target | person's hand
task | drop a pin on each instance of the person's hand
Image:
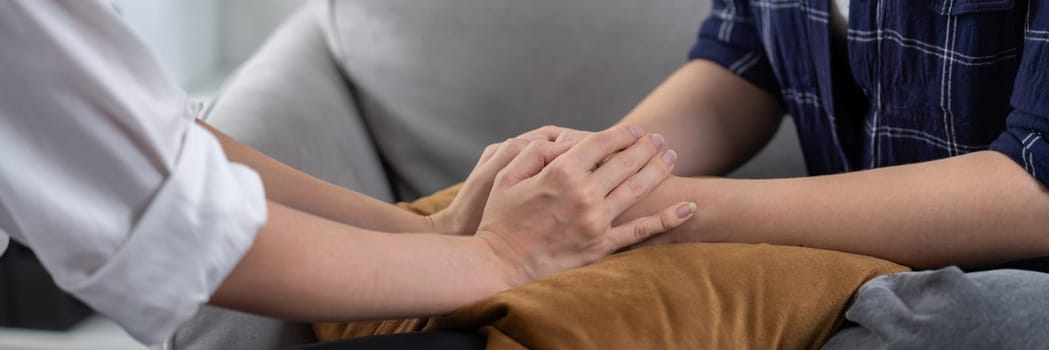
(464, 214)
(551, 208)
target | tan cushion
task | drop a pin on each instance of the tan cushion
(697, 296)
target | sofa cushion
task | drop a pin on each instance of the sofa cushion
(438, 80)
(687, 296)
(291, 102)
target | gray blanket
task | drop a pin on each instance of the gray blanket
(949, 309)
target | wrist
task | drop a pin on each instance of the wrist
(444, 222)
(506, 264)
(429, 225)
(495, 274)
(703, 191)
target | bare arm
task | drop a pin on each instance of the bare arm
(975, 209)
(550, 209)
(295, 189)
(970, 210)
(342, 272)
(716, 120)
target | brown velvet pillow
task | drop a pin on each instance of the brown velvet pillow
(696, 296)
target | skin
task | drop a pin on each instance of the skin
(326, 254)
(976, 209)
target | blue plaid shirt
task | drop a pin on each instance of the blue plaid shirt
(935, 79)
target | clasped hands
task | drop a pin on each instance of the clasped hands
(545, 201)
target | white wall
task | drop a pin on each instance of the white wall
(183, 33)
(201, 41)
(247, 23)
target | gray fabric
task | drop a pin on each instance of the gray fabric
(441, 79)
(218, 328)
(949, 309)
(437, 81)
(290, 102)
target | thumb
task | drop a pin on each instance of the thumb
(646, 227)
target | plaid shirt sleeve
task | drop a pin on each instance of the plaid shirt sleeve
(1027, 128)
(730, 38)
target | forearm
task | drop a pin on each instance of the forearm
(712, 117)
(295, 189)
(547, 212)
(970, 210)
(346, 273)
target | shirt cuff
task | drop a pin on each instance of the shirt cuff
(1027, 147)
(192, 234)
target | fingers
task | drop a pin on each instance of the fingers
(500, 154)
(630, 191)
(531, 161)
(547, 133)
(596, 147)
(643, 228)
(572, 135)
(487, 154)
(612, 172)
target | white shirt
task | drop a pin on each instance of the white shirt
(130, 206)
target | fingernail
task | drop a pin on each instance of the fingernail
(636, 131)
(657, 140)
(669, 156)
(685, 210)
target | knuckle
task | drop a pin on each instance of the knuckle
(655, 169)
(500, 178)
(666, 221)
(569, 135)
(618, 135)
(579, 197)
(560, 172)
(636, 188)
(624, 134)
(640, 232)
(533, 149)
(630, 163)
(649, 147)
(516, 145)
(602, 137)
(661, 165)
(623, 131)
(490, 149)
(590, 191)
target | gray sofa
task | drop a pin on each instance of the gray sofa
(397, 98)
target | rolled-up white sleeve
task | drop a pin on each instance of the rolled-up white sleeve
(131, 206)
(187, 239)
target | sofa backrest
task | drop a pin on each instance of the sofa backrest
(438, 80)
(290, 101)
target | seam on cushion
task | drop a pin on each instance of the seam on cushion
(335, 44)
